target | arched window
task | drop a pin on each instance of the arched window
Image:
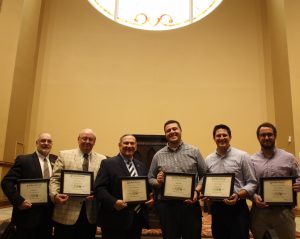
(155, 15)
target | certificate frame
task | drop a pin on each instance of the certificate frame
(278, 191)
(77, 183)
(36, 191)
(134, 189)
(218, 186)
(178, 186)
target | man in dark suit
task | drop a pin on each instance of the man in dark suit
(119, 220)
(31, 221)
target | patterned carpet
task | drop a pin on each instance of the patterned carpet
(206, 229)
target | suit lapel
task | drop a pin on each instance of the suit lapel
(123, 165)
(52, 159)
(37, 165)
(78, 160)
(93, 162)
(138, 167)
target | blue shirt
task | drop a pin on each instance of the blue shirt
(234, 161)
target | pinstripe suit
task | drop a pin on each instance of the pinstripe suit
(68, 213)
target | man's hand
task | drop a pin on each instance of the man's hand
(150, 202)
(259, 202)
(90, 197)
(193, 200)
(232, 199)
(204, 198)
(160, 178)
(120, 204)
(296, 187)
(25, 205)
(60, 198)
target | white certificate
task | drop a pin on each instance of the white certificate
(179, 185)
(34, 190)
(278, 190)
(218, 186)
(134, 189)
(76, 183)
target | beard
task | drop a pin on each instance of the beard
(267, 145)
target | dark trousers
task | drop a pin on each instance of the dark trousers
(134, 231)
(81, 229)
(230, 221)
(42, 231)
(180, 220)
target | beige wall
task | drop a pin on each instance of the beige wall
(276, 33)
(237, 66)
(23, 79)
(95, 73)
(18, 61)
(19, 21)
(9, 34)
(293, 39)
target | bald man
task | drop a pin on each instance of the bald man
(75, 217)
(118, 219)
(31, 221)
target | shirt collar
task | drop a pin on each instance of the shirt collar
(82, 154)
(223, 156)
(126, 160)
(40, 156)
(175, 149)
(274, 152)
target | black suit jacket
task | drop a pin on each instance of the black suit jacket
(108, 190)
(26, 167)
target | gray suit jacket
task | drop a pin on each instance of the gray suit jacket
(68, 213)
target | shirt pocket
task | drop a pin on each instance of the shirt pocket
(280, 171)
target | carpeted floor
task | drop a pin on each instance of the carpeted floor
(156, 233)
(206, 229)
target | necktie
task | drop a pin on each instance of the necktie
(131, 168)
(46, 172)
(133, 173)
(85, 165)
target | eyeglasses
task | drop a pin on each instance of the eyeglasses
(266, 134)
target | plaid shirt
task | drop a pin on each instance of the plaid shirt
(185, 159)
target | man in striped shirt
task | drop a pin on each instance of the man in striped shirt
(178, 218)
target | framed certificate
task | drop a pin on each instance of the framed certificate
(218, 186)
(134, 189)
(278, 190)
(36, 191)
(179, 186)
(76, 183)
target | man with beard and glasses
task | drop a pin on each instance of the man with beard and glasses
(117, 218)
(31, 221)
(178, 218)
(271, 161)
(231, 217)
(75, 217)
